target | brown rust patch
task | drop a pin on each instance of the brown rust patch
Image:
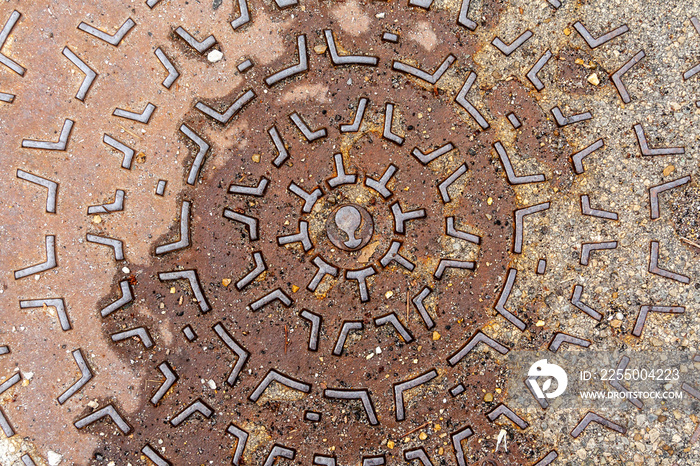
(574, 66)
(276, 336)
(537, 139)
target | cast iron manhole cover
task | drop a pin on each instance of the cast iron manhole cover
(347, 233)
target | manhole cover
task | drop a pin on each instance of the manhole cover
(349, 233)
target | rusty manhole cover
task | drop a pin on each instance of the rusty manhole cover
(318, 233)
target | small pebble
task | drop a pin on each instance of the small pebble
(215, 56)
(593, 79)
(54, 458)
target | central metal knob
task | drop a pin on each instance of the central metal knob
(348, 219)
(350, 227)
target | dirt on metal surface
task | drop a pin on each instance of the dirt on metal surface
(299, 233)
